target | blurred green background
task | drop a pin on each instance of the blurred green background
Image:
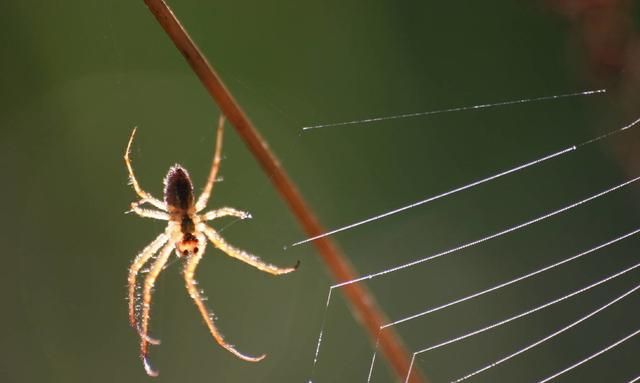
(77, 76)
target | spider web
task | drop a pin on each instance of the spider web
(606, 291)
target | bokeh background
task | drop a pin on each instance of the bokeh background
(77, 76)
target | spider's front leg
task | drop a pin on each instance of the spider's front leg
(242, 255)
(140, 260)
(189, 272)
(149, 281)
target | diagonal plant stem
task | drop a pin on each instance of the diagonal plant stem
(362, 302)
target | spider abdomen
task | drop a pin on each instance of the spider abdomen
(178, 191)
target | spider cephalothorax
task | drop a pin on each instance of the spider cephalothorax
(187, 233)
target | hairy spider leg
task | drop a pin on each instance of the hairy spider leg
(137, 264)
(215, 165)
(149, 281)
(225, 212)
(146, 197)
(148, 213)
(242, 255)
(191, 284)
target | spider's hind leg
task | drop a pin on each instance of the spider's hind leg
(189, 271)
(143, 194)
(215, 165)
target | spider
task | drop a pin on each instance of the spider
(187, 233)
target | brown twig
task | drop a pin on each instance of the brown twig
(362, 302)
